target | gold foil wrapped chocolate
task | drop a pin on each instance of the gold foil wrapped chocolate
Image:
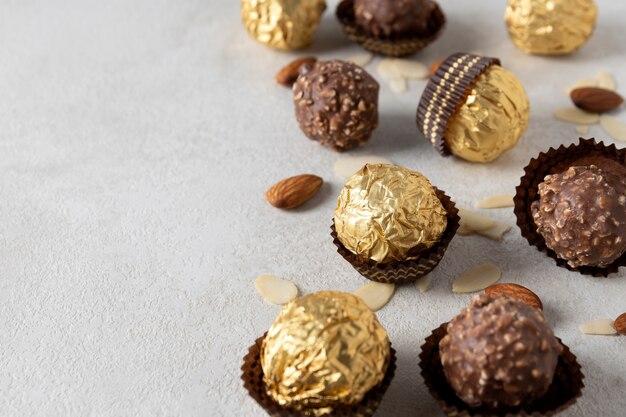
(491, 120)
(324, 349)
(550, 27)
(282, 24)
(388, 213)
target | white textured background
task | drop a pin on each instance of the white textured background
(136, 141)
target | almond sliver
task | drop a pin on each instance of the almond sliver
(606, 80)
(275, 290)
(387, 69)
(477, 279)
(475, 222)
(577, 116)
(613, 127)
(361, 59)
(411, 69)
(598, 327)
(375, 294)
(585, 82)
(423, 283)
(398, 84)
(495, 201)
(496, 232)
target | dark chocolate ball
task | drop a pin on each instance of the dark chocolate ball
(336, 103)
(499, 352)
(581, 214)
(386, 18)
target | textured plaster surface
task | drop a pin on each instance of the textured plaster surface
(137, 139)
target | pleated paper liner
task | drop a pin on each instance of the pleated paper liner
(252, 376)
(563, 392)
(397, 46)
(554, 161)
(405, 271)
(445, 92)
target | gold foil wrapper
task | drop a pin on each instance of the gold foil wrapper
(550, 27)
(324, 349)
(282, 24)
(388, 213)
(492, 119)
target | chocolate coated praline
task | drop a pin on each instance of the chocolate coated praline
(336, 103)
(499, 352)
(399, 18)
(324, 350)
(581, 214)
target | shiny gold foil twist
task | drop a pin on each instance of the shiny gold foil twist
(492, 119)
(550, 27)
(388, 213)
(323, 350)
(282, 24)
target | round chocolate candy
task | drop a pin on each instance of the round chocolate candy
(324, 350)
(499, 352)
(395, 18)
(581, 214)
(336, 103)
(388, 213)
(550, 27)
(473, 108)
(282, 24)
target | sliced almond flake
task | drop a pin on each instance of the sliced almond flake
(583, 130)
(577, 116)
(606, 80)
(375, 294)
(275, 290)
(585, 82)
(495, 201)
(496, 232)
(476, 279)
(475, 222)
(464, 230)
(347, 166)
(361, 59)
(412, 70)
(423, 283)
(398, 84)
(613, 127)
(387, 69)
(598, 327)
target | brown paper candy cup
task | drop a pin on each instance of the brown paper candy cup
(396, 46)
(445, 92)
(554, 161)
(400, 272)
(566, 386)
(252, 376)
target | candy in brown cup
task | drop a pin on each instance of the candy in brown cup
(565, 389)
(390, 46)
(399, 272)
(252, 376)
(553, 161)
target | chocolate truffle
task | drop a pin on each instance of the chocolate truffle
(388, 213)
(336, 103)
(400, 18)
(550, 27)
(473, 108)
(581, 214)
(324, 350)
(499, 352)
(282, 24)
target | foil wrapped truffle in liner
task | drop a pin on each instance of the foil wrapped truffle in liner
(391, 224)
(391, 27)
(336, 103)
(550, 27)
(473, 108)
(587, 153)
(493, 383)
(282, 24)
(326, 354)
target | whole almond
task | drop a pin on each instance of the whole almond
(596, 99)
(289, 73)
(515, 291)
(293, 191)
(620, 324)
